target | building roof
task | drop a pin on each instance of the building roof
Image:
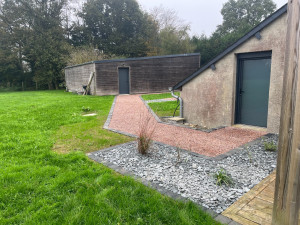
(242, 40)
(136, 59)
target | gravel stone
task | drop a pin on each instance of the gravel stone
(129, 110)
(192, 176)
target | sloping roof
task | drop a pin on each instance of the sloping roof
(246, 37)
(135, 59)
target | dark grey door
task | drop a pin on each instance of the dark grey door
(253, 89)
(124, 80)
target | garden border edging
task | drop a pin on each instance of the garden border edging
(218, 217)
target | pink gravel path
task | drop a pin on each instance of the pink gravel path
(129, 109)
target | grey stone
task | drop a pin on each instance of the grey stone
(192, 177)
(222, 219)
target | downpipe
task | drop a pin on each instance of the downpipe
(180, 101)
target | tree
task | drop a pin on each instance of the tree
(168, 18)
(46, 48)
(83, 54)
(242, 15)
(173, 41)
(11, 71)
(36, 37)
(202, 45)
(173, 36)
(239, 17)
(117, 27)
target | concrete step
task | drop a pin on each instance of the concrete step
(176, 119)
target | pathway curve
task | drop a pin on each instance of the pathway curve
(130, 112)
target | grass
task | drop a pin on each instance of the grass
(164, 108)
(39, 186)
(87, 135)
(159, 96)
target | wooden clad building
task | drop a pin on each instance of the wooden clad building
(132, 75)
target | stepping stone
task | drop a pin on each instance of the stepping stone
(92, 114)
(176, 119)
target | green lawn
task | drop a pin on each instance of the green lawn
(164, 108)
(159, 96)
(40, 185)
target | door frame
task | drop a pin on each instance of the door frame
(239, 77)
(129, 78)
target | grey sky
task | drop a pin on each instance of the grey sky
(202, 15)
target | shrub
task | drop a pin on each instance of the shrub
(144, 144)
(249, 153)
(222, 177)
(145, 133)
(83, 54)
(270, 146)
(85, 109)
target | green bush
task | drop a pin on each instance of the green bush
(270, 146)
(85, 109)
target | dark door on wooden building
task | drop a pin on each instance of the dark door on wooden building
(253, 82)
(124, 80)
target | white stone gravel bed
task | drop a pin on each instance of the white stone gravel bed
(192, 177)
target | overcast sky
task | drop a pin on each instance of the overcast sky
(202, 15)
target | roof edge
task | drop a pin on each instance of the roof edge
(135, 59)
(82, 64)
(240, 41)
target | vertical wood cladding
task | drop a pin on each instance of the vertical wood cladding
(146, 75)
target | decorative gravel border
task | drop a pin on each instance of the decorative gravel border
(159, 188)
(109, 117)
(248, 168)
(218, 157)
(192, 177)
(151, 111)
(216, 216)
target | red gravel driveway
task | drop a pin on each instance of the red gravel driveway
(130, 110)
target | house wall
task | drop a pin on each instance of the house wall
(209, 99)
(77, 76)
(145, 75)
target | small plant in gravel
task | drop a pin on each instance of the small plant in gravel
(270, 146)
(178, 156)
(145, 133)
(222, 177)
(249, 153)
